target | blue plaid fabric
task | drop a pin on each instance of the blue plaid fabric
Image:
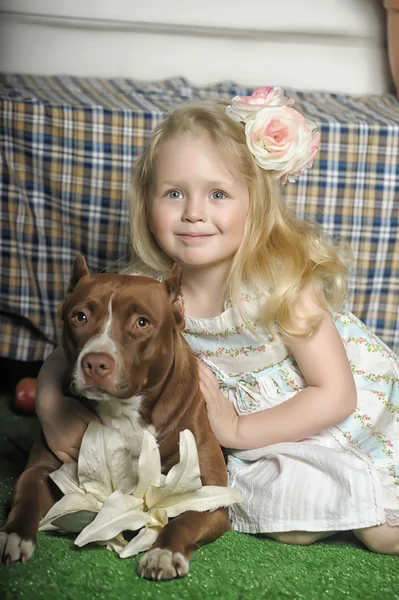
(66, 148)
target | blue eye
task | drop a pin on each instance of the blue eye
(218, 195)
(175, 194)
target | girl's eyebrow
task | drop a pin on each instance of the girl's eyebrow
(220, 183)
(211, 184)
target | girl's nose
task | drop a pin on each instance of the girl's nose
(194, 210)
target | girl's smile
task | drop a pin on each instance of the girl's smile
(194, 237)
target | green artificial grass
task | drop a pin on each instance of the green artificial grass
(235, 567)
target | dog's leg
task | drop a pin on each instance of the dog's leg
(33, 496)
(170, 556)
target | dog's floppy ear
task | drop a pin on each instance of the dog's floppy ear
(173, 286)
(79, 270)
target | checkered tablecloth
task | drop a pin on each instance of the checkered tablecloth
(66, 147)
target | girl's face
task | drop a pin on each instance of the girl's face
(199, 203)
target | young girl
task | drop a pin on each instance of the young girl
(305, 398)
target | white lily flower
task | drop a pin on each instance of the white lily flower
(102, 499)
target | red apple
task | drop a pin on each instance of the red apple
(25, 395)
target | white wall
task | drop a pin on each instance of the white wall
(335, 45)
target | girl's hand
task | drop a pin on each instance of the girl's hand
(64, 421)
(222, 415)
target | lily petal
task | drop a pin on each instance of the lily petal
(94, 475)
(144, 540)
(149, 465)
(185, 476)
(119, 512)
(103, 462)
(66, 478)
(119, 461)
(207, 498)
(159, 517)
(117, 543)
(74, 522)
(71, 503)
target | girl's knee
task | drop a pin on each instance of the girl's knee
(381, 539)
(300, 538)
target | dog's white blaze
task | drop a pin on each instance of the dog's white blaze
(102, 342)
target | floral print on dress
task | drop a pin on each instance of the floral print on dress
(233, 352)
(257, 376)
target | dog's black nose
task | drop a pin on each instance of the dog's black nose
(97, 365)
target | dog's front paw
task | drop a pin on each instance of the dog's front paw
(162, 564)
(14, 548)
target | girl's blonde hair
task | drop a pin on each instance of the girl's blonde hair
(279, 251)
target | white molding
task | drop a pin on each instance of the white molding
(346, 17)
(109, 42)
(282, 37)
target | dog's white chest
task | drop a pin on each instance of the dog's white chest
(124, 416)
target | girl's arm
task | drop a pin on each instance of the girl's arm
(50, 380)
(64, 420)
(329, 398)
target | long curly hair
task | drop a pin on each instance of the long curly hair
(279, 252)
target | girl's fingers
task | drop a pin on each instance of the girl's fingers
(209, 387)
(209, 395)
(206, 374)
(209, 391)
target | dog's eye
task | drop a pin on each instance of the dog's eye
(79, 318)
(142, 323)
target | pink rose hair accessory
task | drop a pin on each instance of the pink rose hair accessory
(279, 137)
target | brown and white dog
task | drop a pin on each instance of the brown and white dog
(122, 337)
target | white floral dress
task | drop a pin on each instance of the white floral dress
(344, 478)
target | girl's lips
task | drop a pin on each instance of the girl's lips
(194, 236)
